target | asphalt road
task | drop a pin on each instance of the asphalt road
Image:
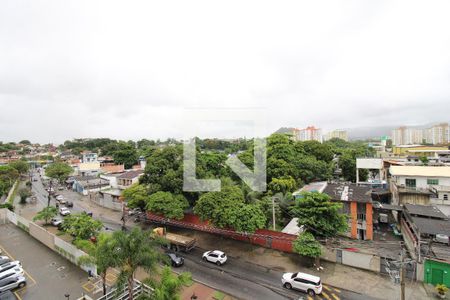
(237, 278)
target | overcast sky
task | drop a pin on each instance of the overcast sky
(133, 69)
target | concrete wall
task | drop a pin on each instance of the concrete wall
(361, 260)
(328, 254)
(58, 245)
(3, 216)
(420, 269)
(42, 235)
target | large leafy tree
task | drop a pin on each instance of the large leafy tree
(319, 214)
(81, 226)
(59, 171)
(102, 254)
(7, 177)
(136, 249)
(307, 245)
(46, 214)
(282, 185)
(20, 165)
(167, 204)
(136, 196)
(227, 209)
(125, 153)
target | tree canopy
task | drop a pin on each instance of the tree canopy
(46, 214)
(319, 214)
(136, 196)
(168, 205)
(59, 171)
(81, 226)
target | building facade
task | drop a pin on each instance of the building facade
(339, 134)
(310, 133)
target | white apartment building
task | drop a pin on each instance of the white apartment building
(438, 134)
(310, 133)
(407, 136)
(338, 133)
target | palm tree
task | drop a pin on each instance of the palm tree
(102, 255)
(133, 250)
(46, 214)
(169, 285)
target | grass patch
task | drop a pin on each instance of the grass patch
(14, 192)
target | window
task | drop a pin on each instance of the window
(432, 181)
(410, 182)
(445, 197)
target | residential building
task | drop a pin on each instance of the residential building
(438, 134)
(309, 133)
(128, 178)
(88, 169)
(357, 204)
(426, 232)
(421, 185)
(419, 150)
(109, 198)
(88, 157)
(88, 184)
(338, 133)
(407, 136)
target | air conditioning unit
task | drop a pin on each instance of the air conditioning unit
(442, 238)
(383, 218)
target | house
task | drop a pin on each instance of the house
(88, 184)
(357, 204)
(129, 178)
(108, 168)
(88, 157)
(109, 198)
(426, 232)
(423, 185)
(88, 169)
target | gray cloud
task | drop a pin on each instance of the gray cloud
(127, 70)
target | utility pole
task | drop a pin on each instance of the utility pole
(273, 213)
(402, 274)
(49, 193)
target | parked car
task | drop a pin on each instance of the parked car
(69, 204)
(12, 265)
(4, 260)
(301, 281)
(133, 211)
(56, 221)
(88, 213)
(64, 211)
(60, 188)
(11, 282)
(215, 256)
(175, 260)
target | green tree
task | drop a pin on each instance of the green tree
(137, 196)
(25, 142)
(136, 249)
(24, 193)
(102, 255)
(126, 154)
(319, 214)
(81, 226)
(227, 209)
(59, 171)
(167, 204)
(21, 166)
(46, 214)
(7, 177)
(282, 185)
(169, 286)
(307, 245)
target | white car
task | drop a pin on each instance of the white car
(302, 281)
(56, 221)
(12, 265)
(215, 256)
(12, 281)
(4, 260)
(64, 211)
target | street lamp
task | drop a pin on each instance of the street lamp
(67, 296)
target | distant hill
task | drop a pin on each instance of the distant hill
(285, 130)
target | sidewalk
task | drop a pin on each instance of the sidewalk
(336, 275)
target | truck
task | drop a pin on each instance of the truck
(177, 242)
